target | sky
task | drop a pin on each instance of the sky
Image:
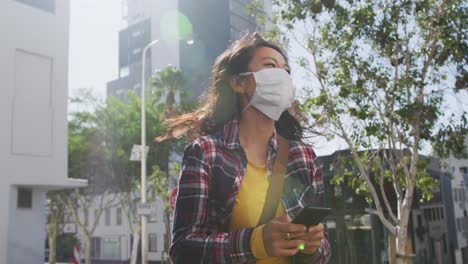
(93, 48)
(93, 56)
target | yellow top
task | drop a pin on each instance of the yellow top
(248, 208)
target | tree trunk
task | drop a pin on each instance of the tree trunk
(400, 249)
(136, 241)
(168, 234)
(87, 249)
(52, 248)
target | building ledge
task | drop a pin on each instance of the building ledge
(67, 183)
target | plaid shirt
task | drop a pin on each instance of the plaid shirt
(212, 171)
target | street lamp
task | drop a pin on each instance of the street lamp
(144, 220)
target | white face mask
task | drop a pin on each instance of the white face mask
(274, 92)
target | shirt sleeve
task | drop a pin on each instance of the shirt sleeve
(323, 253)
(195, 235)
(321, 256)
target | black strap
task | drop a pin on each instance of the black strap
(275, 188)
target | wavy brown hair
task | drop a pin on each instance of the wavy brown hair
(221, 103)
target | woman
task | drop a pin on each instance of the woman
(225, 171)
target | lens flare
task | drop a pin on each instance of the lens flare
(175, 26)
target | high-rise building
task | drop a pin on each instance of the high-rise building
(456, 196)
(33, 117)
(211, 25)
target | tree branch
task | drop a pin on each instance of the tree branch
(384, 195)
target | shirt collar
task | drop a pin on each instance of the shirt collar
(229, 135)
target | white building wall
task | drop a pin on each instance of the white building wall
(33, 114)
(27, 230)
(121, 235)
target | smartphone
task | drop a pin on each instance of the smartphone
(309, 216)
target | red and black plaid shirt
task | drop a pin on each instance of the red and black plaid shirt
(211, 176)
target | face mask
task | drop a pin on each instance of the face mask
(274, 92)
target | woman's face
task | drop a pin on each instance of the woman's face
(266, 57)
(263, 58)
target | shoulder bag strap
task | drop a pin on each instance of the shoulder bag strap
(275, 188)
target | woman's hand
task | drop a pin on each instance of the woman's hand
(280, 237)
(312, 239)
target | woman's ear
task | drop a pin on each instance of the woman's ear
(238, 84)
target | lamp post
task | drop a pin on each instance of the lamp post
(144, 219)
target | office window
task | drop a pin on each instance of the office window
(427, 214)
(86, 216)
(95, 247)
(464, 170)
(152, 242)
(110, 248)
(107, 216)
(124, 72)
(136, 51)
(24, 198)
(118, 213)
(96, 216)
(46, 5)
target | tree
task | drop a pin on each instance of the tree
(382, 71)
(123, 129)
(55, 215)
(169, 82)
(101, 136)
(87, 159)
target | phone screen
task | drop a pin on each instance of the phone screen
(311, 216)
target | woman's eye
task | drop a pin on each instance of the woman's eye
(272, 65)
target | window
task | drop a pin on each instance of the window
(24, 198)
(444, 242)
(110, 248)
(95, 247)
(118, 216)
(86, 216)
(107, 216)
(124, 72)
(441, 213)
(136, 51)
(427, 214)
(96, 216)
(152, 242)
(464, 170)
(46, 5)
